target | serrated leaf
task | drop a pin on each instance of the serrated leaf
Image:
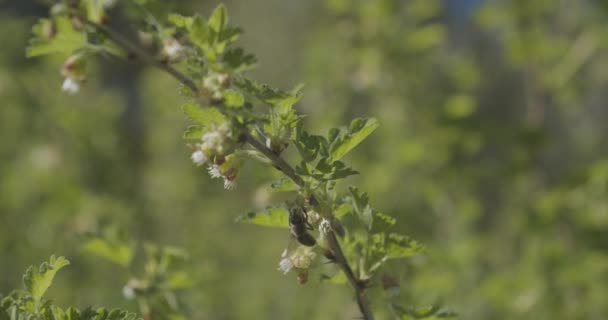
(193, 132)
(38, 280)
(180, 21)
(229, 35)
(382, 222)
(308, 145)
(65, 39)
(399, 246)
(233, 99)
(204, 117)
(272, 217)
(358, 130)
(283, 185)
(238, 61)
(263, 92)
(118, 252)
(334, 171)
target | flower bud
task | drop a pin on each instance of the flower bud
(74, 71)
(172, 50)
(302, 276)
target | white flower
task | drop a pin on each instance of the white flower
(128, 292)
(324, 226)
(70, 86)
(173, 49)
(213, 140)
(198, 157)
(285, 265)
(214, 171)
(303, 257)
(229, 184)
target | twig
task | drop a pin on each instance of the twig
(277, 160)
(140, 53)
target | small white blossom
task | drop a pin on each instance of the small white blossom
(324, 226)
(198, 157)
(214, 171)
(303, 257)
(285, 265)
(128, 292)
(173, 49)
(70, 86)
(229, 184)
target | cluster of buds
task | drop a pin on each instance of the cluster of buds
(301, 259)
(74, 72)
(216, 150)
(213, 85)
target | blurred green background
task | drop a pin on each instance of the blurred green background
(491, 151)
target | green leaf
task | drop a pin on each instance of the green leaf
(360, 203)
(308, 145)
(233, 99)
(264, 93)
(338, 278)
(399, 246)
(334, 171)
(272, 217)
(283, 185)
(38, 280)
(180, 21)
(358, 130)
(382, 222)
(199, 33)
(204, 117)
(194, 132)
(238, 61)
(118, 252)
(218, 19)
(65, 39)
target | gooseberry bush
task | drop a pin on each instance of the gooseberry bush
(333, 229)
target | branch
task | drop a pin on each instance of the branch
(333, 243)
(142, 54)
(279, 163)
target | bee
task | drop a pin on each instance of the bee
(299, 227)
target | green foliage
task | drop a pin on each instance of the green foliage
(38, 280)
(115, 251)
(30, 304)
(204, 117)
(54, 36)
(343, 141)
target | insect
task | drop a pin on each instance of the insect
(299, 226)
